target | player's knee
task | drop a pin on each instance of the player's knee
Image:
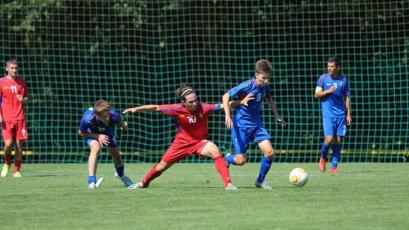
(270, 154)
(240, 160)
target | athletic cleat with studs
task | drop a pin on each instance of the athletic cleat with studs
(263, 185)
(230, 187)
(136, 186)
(5, 170)
(92, 185)
(17, 174)
(334, 171)
(322, 164)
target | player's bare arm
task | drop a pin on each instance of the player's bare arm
(21, 98)
(143, 108)
(102, 138)
(348, 110)
(277, 116)
(244, 101)
(226, 102)
(320, 92)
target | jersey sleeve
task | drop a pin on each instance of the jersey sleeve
(347, 92)
(116, 117)
(24, 86)
(320, 84)
(169, 110)
(268, 94)
(238, 89)
(85, 122)
(210, 108)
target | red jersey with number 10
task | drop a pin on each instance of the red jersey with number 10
(191, 125)
(11, 108)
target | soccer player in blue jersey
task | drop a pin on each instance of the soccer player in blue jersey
(97, 127)
(333, 90)
(247, 125)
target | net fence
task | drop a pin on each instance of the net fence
(131, 53)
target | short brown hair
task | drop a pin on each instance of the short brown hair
(184, 90)
(263, 66)
(101, 106)
(334, 60)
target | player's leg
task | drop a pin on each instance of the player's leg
(8, 144)
(266, 161)
(337, 147)
(173, 154)
(21, 136)
(240, 143)
(328, 139)
(155, 172)
(95, 148)
(336, 154)
(7, 130)
(18, 158)
(119, 166)
(212, 151)
(264, 144)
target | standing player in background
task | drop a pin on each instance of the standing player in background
(247, 125)
(13, 92)
(98, 127)
(192, 135)
(333, 90)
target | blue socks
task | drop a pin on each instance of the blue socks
(92, 179)
(324, 150)
(119, 170)
(230, 159)
(336, 154)
(264, 168)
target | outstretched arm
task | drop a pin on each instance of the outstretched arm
(143, 108)
(277, 116)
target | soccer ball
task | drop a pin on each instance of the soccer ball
(298, 177)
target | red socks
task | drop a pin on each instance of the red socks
(150, 176)
(222, 169)
(17, 165)
(7, 159)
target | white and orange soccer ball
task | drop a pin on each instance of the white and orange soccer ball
(298, 177)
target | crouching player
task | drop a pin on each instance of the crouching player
(97, 127)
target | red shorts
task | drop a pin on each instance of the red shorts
(14, 130)
(178, 151)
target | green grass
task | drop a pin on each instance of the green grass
(191, 196)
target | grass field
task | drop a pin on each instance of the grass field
(191, 196)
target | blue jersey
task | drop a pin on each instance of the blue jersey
(90, 123)
(333, 105)
(249, 116)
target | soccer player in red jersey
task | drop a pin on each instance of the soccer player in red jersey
(191, 137)
(13, 93)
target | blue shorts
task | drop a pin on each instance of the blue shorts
(111, 144)
(335, 125)
(242, 137)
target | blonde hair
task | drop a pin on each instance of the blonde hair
(11, 61)
(101, 106)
